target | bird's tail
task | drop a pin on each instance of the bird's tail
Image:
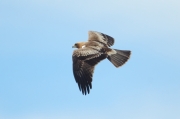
(119, 58)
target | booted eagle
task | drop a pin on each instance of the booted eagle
(90, 53)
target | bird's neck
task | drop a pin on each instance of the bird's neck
(81, 44)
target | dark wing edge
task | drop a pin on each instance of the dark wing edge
(83, 75)
(101, 37)
(83, 72)
(110, 40)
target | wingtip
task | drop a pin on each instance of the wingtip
(86, 89)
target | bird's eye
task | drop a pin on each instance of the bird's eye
(76, 44)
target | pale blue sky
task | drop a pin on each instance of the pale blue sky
(36, 79)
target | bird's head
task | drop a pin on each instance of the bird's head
(79, 45)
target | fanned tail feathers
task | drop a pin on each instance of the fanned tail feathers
(120, 58)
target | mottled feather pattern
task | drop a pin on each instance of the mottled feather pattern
(83, 75)
(84, 52)
(109, 40)
(101, 37)
(94, 51)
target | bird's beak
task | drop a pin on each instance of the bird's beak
(74, 46)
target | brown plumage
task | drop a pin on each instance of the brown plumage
(90, 53)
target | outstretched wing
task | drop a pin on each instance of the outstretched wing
(83, 67)
(83, 75)
(101, 37)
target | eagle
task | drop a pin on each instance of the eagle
(89, 54)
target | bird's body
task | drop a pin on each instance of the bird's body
(90, 53)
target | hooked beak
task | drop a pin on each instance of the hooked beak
(74, 46)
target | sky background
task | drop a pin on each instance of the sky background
(36, 79)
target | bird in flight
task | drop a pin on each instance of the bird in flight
(89, 54)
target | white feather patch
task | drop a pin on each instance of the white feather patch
(83, 46)
(111, 52)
